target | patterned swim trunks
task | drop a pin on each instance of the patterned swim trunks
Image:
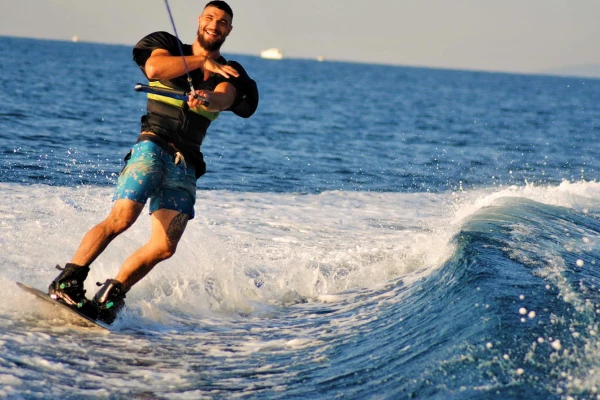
(151, 173)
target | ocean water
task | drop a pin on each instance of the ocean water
(373, 232)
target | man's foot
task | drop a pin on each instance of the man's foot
(67, 287)
(109, 300)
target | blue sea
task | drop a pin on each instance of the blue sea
(372, 232)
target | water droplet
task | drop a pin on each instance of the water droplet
(556, 345)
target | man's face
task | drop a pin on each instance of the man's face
(214, 25)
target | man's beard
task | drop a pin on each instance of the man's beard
(210, 46)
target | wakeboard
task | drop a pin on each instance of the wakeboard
(72, 315)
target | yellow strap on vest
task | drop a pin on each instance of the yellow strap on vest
(211, 116)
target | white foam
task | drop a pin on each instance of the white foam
(249, 252)
(581, 196)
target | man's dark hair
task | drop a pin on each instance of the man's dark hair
(221, 5)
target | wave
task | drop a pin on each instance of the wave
(512, 314)
(479, 294)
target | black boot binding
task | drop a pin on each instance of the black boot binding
(108, 301)
(67, 287)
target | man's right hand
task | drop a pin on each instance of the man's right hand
(194, 102)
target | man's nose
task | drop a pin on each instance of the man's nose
(212, 25)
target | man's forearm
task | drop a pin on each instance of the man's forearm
(169, 67)
(219, 101)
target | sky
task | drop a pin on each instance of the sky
(523, 36)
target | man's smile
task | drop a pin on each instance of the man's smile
(211, 32)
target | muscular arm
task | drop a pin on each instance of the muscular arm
(219, 99)
(164, 65)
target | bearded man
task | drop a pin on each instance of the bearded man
(166, 160)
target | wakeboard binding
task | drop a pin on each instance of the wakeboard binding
(67, 287)
(109, 300)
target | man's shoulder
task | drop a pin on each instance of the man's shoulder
(158, 39)
(162, 35)
(155, 40)
(247, 96)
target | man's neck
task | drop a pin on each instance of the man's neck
(198, 50)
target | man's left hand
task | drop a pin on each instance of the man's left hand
(225, 70)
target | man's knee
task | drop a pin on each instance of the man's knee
(164, 250)
(169, 252)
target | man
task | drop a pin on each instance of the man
(166, 160)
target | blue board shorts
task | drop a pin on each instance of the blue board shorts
(151, 173)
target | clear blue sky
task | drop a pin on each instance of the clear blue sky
(495, 35)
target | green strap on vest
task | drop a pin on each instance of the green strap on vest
(211, 116)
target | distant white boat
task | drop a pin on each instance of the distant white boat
(75, 39)
(272, 54)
